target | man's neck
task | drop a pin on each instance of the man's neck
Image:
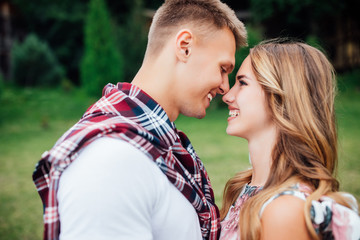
(156, 82)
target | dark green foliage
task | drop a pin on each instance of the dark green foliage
(133, 39)
(102, 62)
(294, 10)
(59, 23)
(153, 4)
(348, 82)
(296, 18)
(254, 37)
(314, 41)
(34, 64)
(1, 84)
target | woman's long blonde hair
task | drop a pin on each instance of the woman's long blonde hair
(299, 85)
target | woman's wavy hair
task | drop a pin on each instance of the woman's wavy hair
(300, 87)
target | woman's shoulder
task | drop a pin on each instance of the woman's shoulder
(284, 208)
(283, 218)
(296, 192)
(327, 216)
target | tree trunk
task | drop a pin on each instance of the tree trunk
(5, 40)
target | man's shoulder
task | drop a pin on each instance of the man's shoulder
(109, 146)
(118, 154)
(113, 165)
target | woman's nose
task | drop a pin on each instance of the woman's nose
(228, 97)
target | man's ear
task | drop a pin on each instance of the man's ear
(184, 43)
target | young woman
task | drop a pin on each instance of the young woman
(283, 104)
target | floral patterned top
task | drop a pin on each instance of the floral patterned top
(332, 220)
(230, 224)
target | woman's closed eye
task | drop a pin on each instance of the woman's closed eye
(241, 80)
(242, 83)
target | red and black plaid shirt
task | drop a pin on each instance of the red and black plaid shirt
(127, 113)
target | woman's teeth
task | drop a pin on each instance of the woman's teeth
(234, 113)
(210, 97)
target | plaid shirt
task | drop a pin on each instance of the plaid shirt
(125, 112)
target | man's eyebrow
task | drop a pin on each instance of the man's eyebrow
(229, 66)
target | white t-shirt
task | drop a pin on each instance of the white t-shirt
(114, 191)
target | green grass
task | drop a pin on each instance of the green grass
(31, 120)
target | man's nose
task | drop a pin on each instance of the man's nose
(224, 87)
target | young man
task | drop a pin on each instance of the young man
(124, 171)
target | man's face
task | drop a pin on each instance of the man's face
(205, 74)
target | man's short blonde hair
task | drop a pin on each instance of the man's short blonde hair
(205, 16)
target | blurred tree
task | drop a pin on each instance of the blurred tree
(102, 62)
(34, 64)
(294, 18)
(153, 4)
(234, 4)
(335, 24)
(5, 38)
(59, 23)
(2, 85)
(133, 38)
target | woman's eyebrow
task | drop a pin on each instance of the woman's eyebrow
(239, 77)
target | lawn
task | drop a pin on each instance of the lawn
(31, 120)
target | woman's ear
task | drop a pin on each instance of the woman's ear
(184, 42)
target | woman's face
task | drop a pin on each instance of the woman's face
(249, 113)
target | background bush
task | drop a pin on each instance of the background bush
(34, 64)
(102, 62)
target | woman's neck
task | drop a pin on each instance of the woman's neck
(260, 150)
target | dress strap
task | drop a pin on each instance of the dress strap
(294, 191)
